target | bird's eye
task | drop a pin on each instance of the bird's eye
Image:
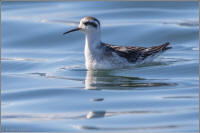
(90, 23)
(85, 23)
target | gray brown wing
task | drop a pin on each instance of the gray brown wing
(134, 53)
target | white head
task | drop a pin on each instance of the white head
(87, 25)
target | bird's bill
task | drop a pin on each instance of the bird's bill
(76, 29)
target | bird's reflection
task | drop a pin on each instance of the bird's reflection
(102, 113)
(95, 114)
(106, 80)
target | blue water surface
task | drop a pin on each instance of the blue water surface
(45, 86)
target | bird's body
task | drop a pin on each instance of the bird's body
(99, 55)
(107, 56)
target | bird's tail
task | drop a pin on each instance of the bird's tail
(165, 46)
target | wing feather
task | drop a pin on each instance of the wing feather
(135, 53)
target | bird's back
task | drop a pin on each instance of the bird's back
(135, 53)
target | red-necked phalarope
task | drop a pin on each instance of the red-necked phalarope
(99, 55)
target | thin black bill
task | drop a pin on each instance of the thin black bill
(76, 29)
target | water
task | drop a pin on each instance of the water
(45, 86)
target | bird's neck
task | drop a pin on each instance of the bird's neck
(93, 40)
(93, 49)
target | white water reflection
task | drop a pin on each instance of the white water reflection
(105, 79)
(78, 115)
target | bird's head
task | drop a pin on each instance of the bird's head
(87, 25)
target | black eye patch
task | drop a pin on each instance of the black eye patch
(91, 23)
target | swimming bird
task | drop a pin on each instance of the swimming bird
(100, 55)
